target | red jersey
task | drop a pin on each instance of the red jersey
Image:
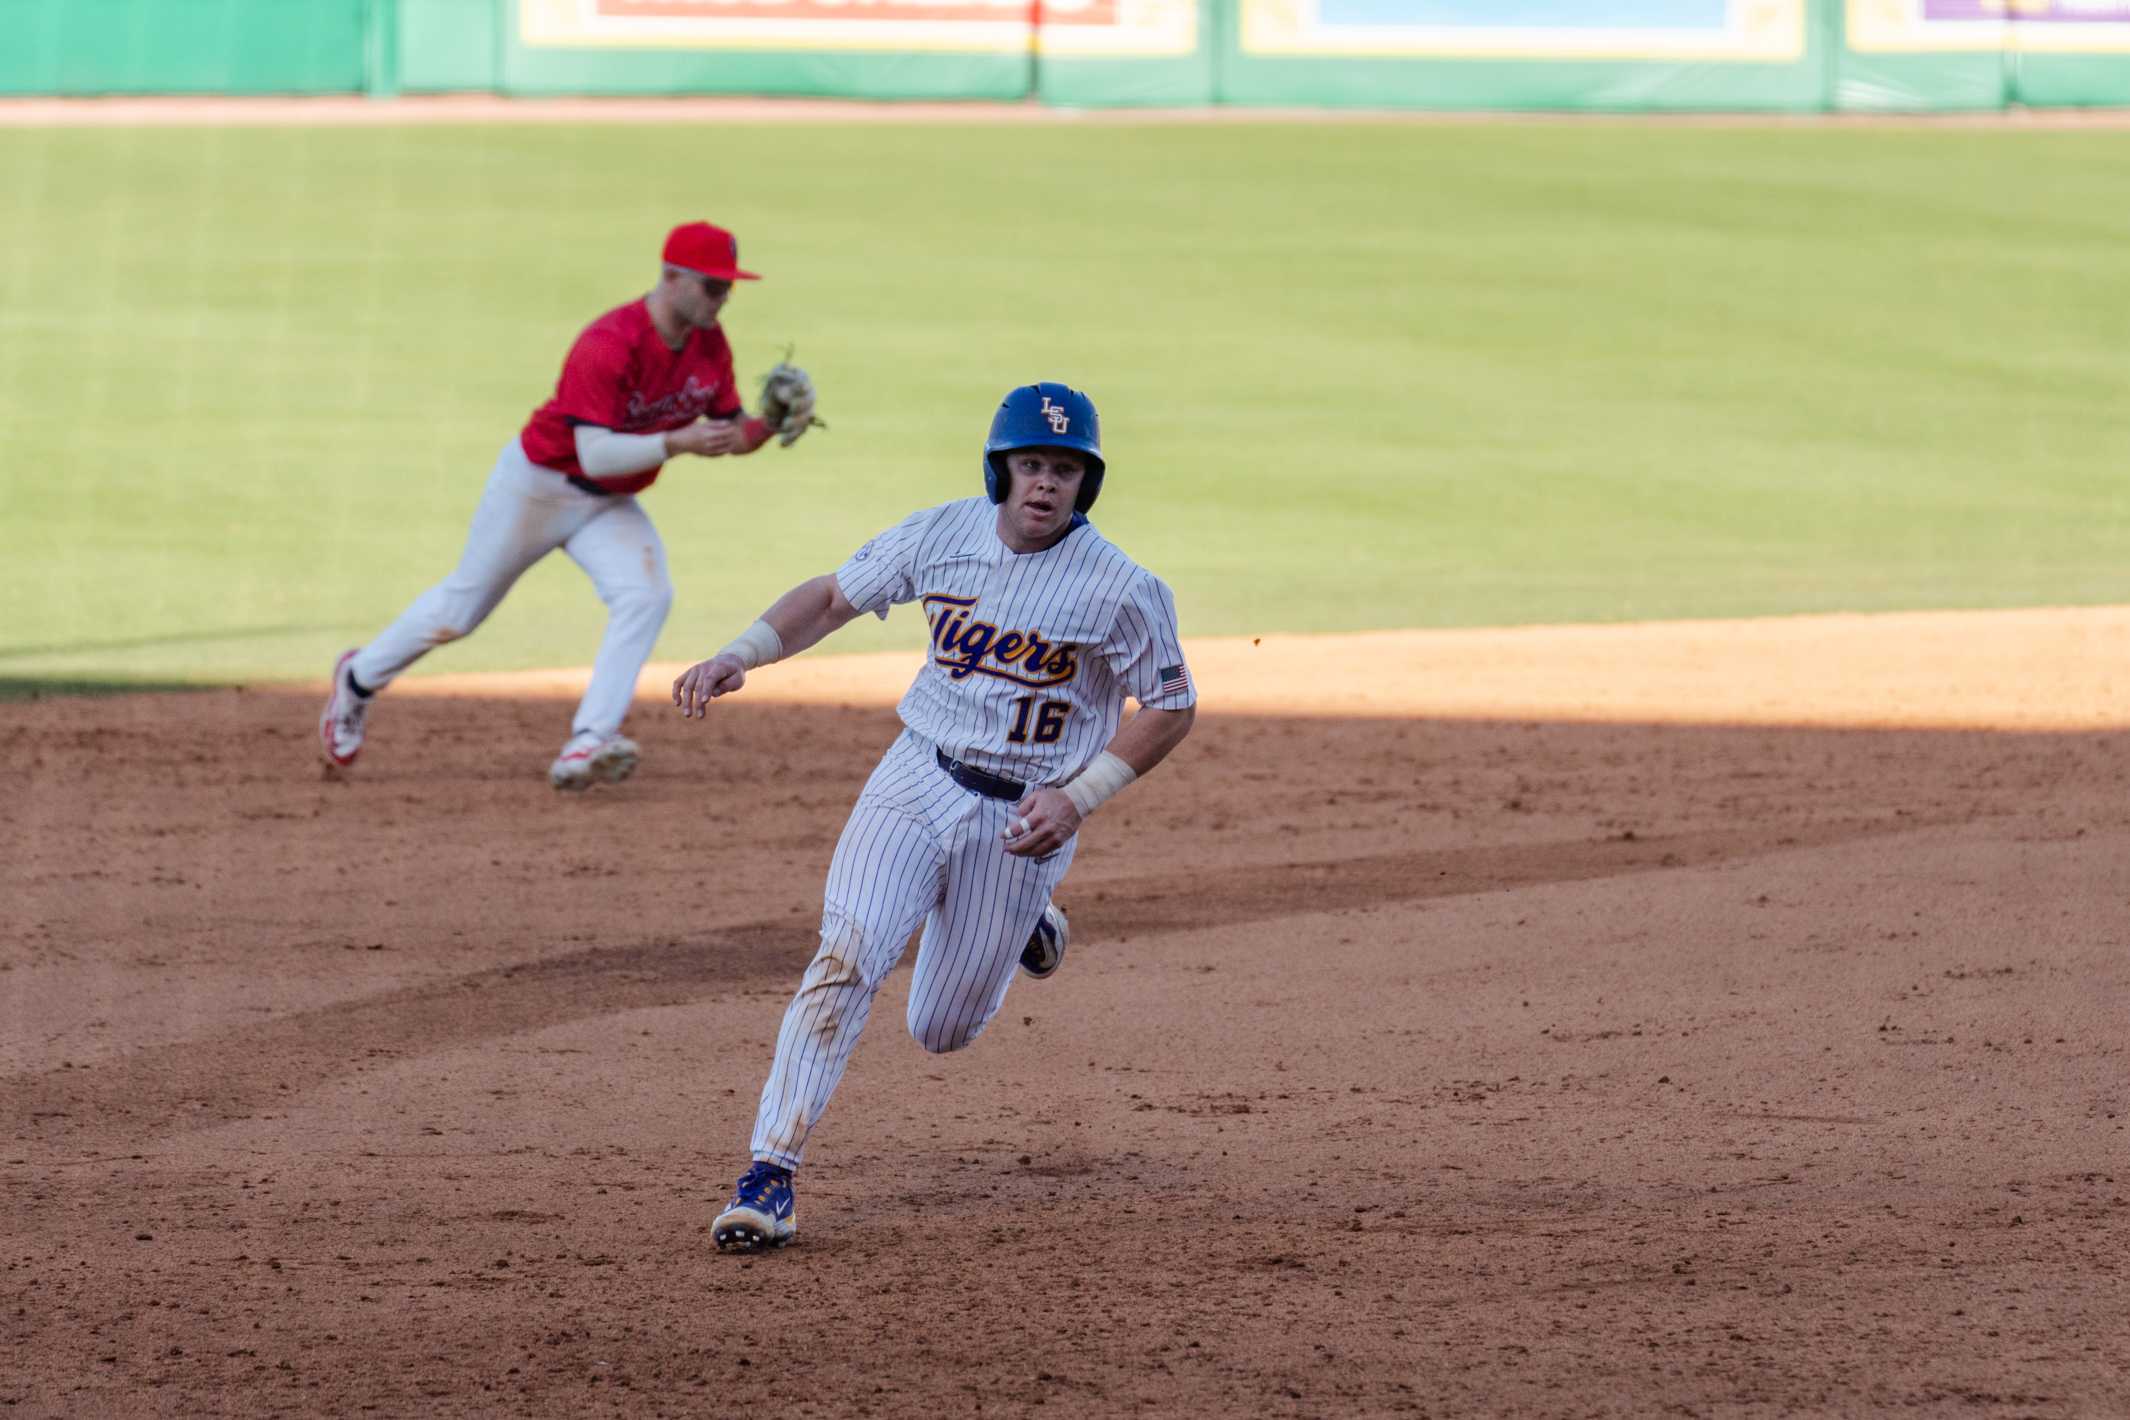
(622, 376)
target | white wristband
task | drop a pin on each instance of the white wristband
(1098, 782)
(758, 645)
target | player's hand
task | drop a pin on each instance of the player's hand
(1041, 822)
(705, 681)
(708, 438)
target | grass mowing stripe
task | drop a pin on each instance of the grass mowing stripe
(1351, 377)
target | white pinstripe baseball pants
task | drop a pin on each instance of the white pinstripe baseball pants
(917, 848)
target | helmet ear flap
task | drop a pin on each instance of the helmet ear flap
(995, 479)
(1090, 488)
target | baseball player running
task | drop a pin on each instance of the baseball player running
(643, 383)
(1040, 629)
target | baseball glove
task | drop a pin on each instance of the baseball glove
(788, 402)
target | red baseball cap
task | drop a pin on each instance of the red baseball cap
(706, 251)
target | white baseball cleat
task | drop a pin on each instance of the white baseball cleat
(1045, 951)
(590, 759)
(340, 725)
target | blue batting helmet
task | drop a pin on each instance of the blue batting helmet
(1045, 416)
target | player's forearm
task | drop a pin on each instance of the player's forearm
(608, 453)
(755, 431)
(605, 453)
(1146, 739)
(808, 612)
(1132, 751)
(793, 622)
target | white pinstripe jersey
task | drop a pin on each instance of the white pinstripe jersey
(1031, 655)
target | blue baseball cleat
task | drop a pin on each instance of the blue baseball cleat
(760, 1214)
(1045, 951)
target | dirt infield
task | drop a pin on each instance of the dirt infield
(1411, 1062)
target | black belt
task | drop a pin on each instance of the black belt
(577, 480)
(976, 781)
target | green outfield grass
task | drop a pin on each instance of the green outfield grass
(1352, 376)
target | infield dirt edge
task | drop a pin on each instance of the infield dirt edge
(2039, 669)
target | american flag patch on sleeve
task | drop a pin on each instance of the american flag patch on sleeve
(1175, 680)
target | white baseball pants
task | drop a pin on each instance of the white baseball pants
(525, 513)
(917, 848)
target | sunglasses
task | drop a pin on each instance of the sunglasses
(713, 287)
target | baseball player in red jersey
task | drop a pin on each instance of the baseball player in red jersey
(645, 382)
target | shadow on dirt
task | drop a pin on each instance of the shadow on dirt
(215, 835)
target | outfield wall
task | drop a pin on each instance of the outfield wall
(1623, 55)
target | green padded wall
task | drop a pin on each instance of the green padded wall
(187, 47)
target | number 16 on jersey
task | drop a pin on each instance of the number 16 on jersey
(1048, 718)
